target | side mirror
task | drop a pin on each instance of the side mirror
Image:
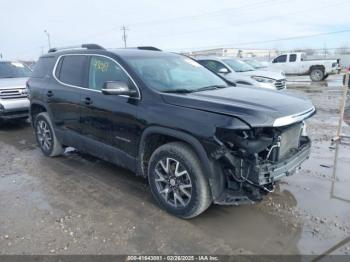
(223, 70)
(118, 88)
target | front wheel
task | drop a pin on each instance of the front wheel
(316, 74)
(46, 137)
(177, 180)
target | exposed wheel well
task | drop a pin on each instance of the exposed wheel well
(150, 144)
(36, 109)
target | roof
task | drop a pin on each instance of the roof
(122, 52)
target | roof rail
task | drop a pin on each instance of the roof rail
(87, 46)
(151, 48)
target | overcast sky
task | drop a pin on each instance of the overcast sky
(171, 25)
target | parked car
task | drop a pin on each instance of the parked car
(239, 72)
(298, 64)
(167, 118)
(14, 103)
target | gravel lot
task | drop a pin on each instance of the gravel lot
(77, 204)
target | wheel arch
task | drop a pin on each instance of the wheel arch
(35, 109)
(322, 67)
(215, 178)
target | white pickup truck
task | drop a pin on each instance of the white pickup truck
(298, 64)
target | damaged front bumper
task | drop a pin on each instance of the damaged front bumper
(258, 178)
(268, 173)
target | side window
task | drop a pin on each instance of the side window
(102, 70)
(292, 58)
(43, 67)
(213, 65)
(72, 70)
(280, 59)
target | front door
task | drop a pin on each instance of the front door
(109, 119)
(280, 63)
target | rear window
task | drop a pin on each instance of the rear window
(43, 67)
(72, 70)
(293, 58)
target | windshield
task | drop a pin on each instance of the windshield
(174, 73)
(13, 70)
(238, 65)
(254, 63)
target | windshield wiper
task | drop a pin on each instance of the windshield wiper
(180, 91)
(205, 88)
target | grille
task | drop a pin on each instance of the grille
(280, 84)
(290, 140)
(13, 93)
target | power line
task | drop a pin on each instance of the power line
(254, 21)
(216, 12)
(253, 5)
(269, 41)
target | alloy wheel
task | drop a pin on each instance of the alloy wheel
(44, 135)
(173, 182)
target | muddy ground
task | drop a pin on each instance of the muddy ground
(77, 204)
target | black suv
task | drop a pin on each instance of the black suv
(197, 138)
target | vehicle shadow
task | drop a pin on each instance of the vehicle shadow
(18, 134)
(13, 125)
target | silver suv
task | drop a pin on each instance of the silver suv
(241, 73)
(14, 103)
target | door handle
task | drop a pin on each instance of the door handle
(87, 101)
(49, 93)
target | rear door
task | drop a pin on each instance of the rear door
(293, 65)
(63, 94)
(109, 119)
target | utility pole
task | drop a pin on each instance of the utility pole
(124, 36)
(48, 38)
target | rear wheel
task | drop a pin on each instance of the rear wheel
(316, 74)
(46, 137)
(177, 180)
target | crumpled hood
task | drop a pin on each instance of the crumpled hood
(6, 83)
(256, 106)
(270, 74)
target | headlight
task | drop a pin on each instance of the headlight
(283, 73)
(263, 79)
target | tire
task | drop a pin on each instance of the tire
(316, 74)
(46, 137)
(325, 77)
(186, 180)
